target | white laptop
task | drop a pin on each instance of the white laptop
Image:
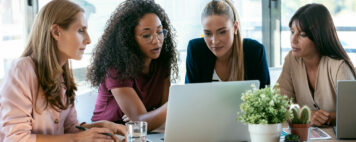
(346, 110)
(206, 112)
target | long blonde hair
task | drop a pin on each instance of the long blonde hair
(226, 8)
(43, 50)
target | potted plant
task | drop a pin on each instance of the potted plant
(300, 122)
(264, 110)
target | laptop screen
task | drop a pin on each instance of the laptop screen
(206, 112)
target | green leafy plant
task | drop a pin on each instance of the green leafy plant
(264, 106)
(300, 116)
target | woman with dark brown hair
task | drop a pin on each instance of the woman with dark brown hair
(315, 64)
(37, 96)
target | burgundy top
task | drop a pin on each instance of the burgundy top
(148, 88)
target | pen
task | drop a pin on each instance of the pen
(316, 106)
(83, 129)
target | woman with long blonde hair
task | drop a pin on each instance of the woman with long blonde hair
(222, 55)
(37, 96)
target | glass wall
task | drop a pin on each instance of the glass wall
(12, 32)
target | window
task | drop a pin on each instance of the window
(12, 32)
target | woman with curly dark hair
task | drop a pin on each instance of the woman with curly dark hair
(133, 64)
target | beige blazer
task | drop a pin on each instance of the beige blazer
(293, 81)
(18, 119)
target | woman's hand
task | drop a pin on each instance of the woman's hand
(115, 128)
(320, 117)
(95, 135)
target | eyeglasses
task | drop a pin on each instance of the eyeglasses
(148, 38)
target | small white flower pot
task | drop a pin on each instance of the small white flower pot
(265, 132)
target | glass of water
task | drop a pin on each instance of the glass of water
(136, 131)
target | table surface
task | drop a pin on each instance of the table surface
(158, 134)
(330, 131)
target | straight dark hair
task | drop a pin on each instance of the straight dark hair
(316, 21)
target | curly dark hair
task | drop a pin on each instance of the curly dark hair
(118, 48)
